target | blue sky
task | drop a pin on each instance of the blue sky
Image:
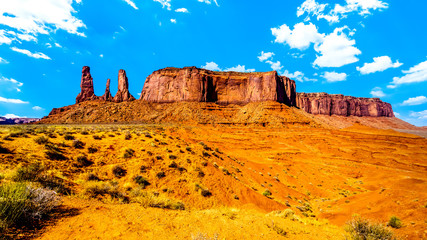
(362, 48)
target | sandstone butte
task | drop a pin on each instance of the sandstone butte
(191, 84)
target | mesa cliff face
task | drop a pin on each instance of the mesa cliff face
(192, 84)
(338, 104)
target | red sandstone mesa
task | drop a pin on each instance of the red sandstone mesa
(192, 84)
(199, 85)
(123, 93)
(338, 104)
(86, 86)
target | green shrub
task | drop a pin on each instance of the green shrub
(267, 193)
(160, 175)
(172, 157)
(23, 204)
(395, 222)
(141, 181)
(173, 165)
(41, 140)
(97, 137)
(83, 161)
(92, 149)
(119, 171)
(78, 144)
(28, 173)
(54, 153)
(128, 136)
(205, 193)
(4, 150)
(68, 137)
(128, 153)
(199, 171)
(362, 229)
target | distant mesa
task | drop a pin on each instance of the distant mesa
(13, 121)
(338, 104)
(191, 84)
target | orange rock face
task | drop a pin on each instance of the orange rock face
(199, 85)
(107, 95)
(338, 104)
(123, 93)
(86, 86)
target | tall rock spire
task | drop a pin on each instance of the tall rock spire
(86, 85)
(123, 93)
(107, 95)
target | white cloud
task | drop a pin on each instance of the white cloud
(165, 3)
(211, 66)
(276, 66)
(299, 76)
(415, 74)
(14, 84)
(362, 7)
(182, 10)
(265, 56)
(30, 18)
(58, 45)
(2, 60)
(10, 115)
(334, 76)
(37, 108)
(208, 2)
(377, 92)
(419, 115)
(239, 68)
(297, 55)
(415, 101)
(14, 101)
(30, 54)
(311, 7)
(301, 37)
(214, 67)
(336, 50)
(396, 114)
(131, 3)
(173, 20)
(335, 14)
(101, 55)
(380, 64)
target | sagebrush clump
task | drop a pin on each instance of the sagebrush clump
(363, 229)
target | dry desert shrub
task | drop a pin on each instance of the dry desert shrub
(119, 171)
(96, 189)
(42, 140)
(22, 204)
(204, 236)
(363, 229)
(395, 222)
(154, 199)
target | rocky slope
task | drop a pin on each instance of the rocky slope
(192, 84)
(338, 104)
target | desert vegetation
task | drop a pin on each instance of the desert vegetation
(195, 175)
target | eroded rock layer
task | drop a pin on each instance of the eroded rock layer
(192, 84)
(338, 104)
